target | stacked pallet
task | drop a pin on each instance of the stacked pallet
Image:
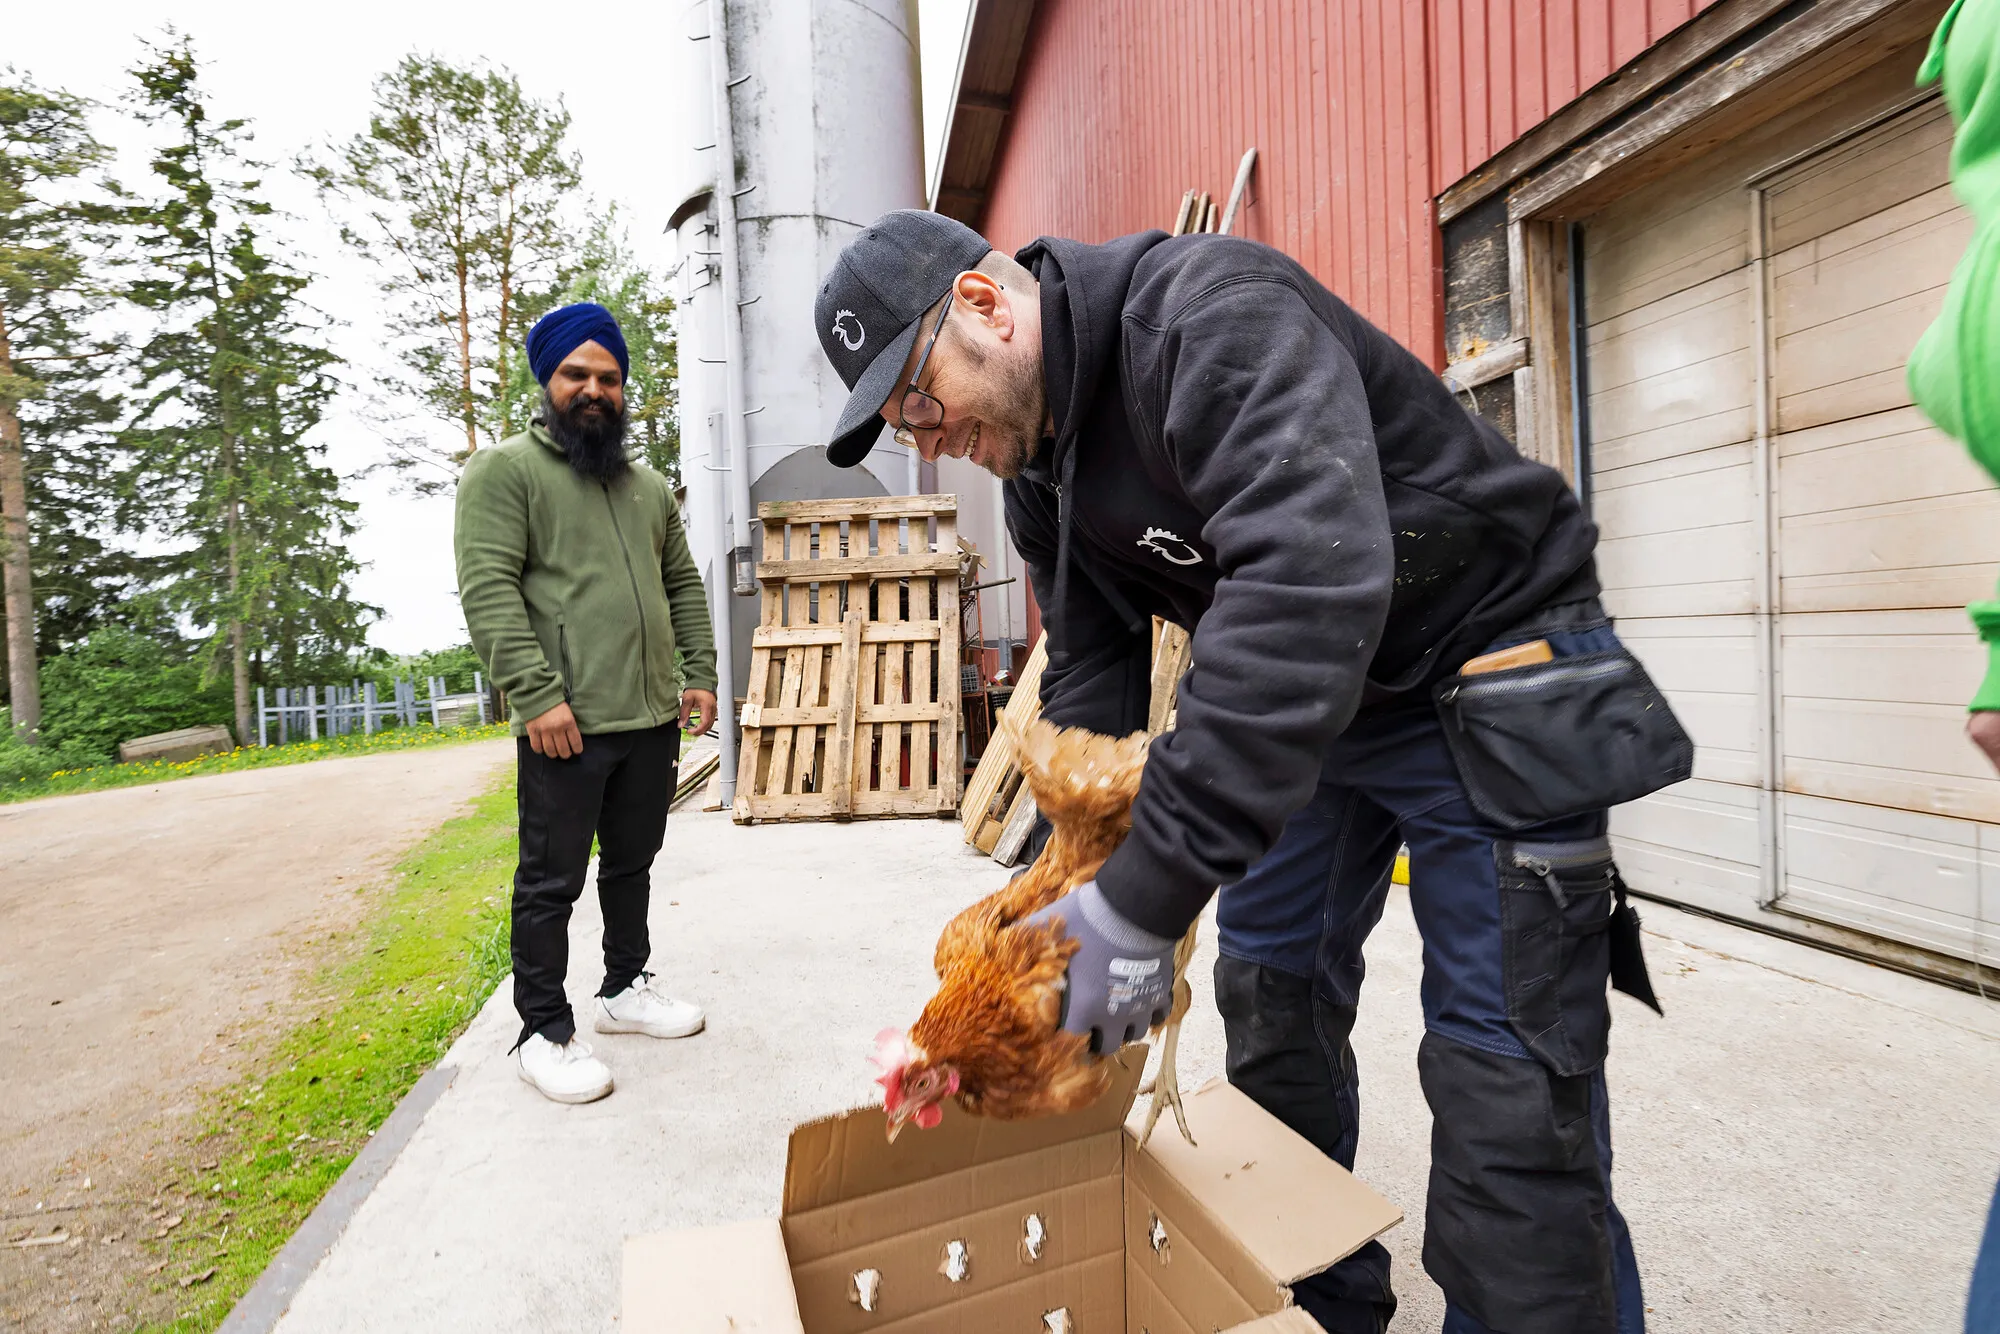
(852, 703)
(999, 812)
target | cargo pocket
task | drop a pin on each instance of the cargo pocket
(1556, 910)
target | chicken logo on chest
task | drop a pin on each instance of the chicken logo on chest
(1170, 547)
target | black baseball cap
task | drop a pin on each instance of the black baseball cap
(869, 307)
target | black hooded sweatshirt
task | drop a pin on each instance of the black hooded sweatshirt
(1238, 451)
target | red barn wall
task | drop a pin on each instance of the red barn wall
(1120, 105)
(1362, 111)
(1503, 66)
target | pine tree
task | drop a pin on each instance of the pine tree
(233, 380)
(454, 190)
(56, 217)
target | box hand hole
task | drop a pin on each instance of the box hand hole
(1156, 1236)
(1034, 1236)
(1058, 1321)
(957, 1264)
(864, 1288)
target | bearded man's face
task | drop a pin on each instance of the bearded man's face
(592, 435)
(584, 409)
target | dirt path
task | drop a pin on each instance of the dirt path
(144, 931)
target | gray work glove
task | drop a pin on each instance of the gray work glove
(1121, 979)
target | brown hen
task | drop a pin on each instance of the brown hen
(991, 1036)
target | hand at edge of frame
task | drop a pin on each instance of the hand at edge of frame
(1983, 728)
(698, 702)
(555, 733)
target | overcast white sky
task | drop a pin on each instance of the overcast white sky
(302, 77)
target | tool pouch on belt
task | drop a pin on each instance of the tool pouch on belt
(1561, 738)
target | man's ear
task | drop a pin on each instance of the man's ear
(988, 301)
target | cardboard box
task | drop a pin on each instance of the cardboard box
(1061, 1226)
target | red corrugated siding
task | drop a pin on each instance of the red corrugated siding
(1120, 105)
(1361, 112)
(1503, 66)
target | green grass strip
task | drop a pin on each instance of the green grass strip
(244, 757)
(430, 954)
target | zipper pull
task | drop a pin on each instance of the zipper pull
(1450, 700)
(1546, 872)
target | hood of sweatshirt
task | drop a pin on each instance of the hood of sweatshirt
(1083, 300)
(1954, 372)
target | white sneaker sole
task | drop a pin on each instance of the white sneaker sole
(581, 1095)
(604, 1023)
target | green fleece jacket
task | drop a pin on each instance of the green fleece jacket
(580, 591)
(1955, 369)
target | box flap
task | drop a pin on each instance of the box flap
(1291, 1320)
(847, 1156)
(1293, 1208)
(733, 1279)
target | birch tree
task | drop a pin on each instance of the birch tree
(455, 192)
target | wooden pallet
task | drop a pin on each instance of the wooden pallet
(852, 705)
(999, 812)
(996, 785)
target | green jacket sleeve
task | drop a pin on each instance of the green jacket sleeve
(1954, 372)
(687, 602)
(490, 538)
(1986, 617)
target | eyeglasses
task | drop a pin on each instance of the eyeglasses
(921, 412)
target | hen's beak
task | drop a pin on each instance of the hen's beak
(897, 1120)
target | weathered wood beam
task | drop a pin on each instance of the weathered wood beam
(1488, 366)
(1816, 33)
(1687, 46)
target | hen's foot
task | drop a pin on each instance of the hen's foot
(1165, 1086)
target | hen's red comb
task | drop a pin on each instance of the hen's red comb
(893, 1054)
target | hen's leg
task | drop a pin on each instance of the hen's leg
(1165, 1085)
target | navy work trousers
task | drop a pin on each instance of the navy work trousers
(617, 793)
(1521, 1232)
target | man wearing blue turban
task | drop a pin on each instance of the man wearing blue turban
(580, 593)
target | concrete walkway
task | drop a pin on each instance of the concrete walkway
(1805, 1143)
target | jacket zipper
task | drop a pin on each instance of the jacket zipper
(562, 646)
(638, 602)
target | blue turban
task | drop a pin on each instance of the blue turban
(561, 332)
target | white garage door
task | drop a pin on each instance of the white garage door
(1787, 544)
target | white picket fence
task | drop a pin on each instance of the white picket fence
(307, 713)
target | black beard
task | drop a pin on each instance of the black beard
(593, 443)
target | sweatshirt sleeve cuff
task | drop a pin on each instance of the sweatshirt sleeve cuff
(1154, 895)
(1986, 618)
(530, 704)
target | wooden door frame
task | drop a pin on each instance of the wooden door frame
(1787, 64)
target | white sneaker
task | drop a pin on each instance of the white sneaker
(566, 1073)
(640, 1009)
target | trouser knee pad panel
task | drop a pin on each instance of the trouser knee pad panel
(1517, 1232)
(1288, 1050)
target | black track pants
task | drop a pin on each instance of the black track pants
(617, 791)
